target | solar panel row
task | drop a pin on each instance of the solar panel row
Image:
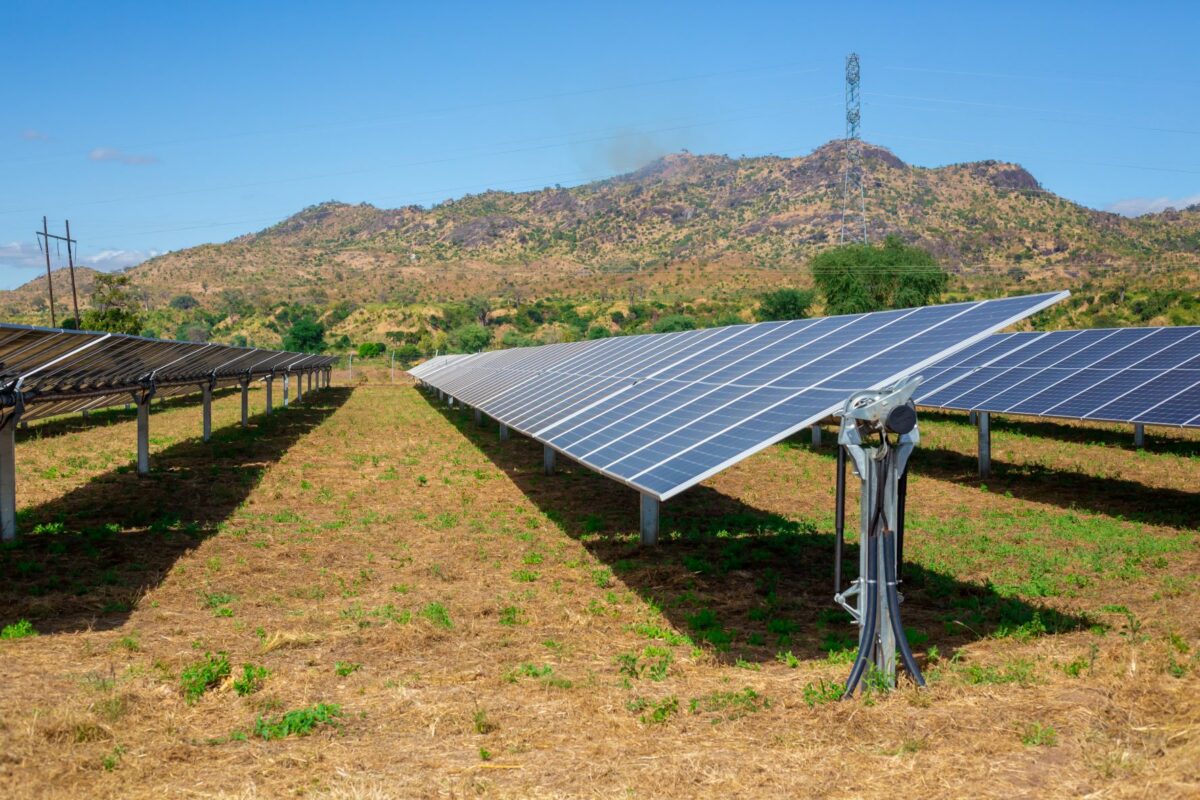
(49, 371)
(1139, 375)
(661, 412)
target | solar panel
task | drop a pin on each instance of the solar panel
(1139, 375)
(661, 412)
(49, 371)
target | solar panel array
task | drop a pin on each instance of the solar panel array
(661, 412)
(48, 371)
(1140, 375)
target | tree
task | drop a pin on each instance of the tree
(306, 335)
(470, 338)
(673, 323)
(783, 304)
(598, 331)
(184, 302)
(371, 349)
(114, 306)
(857, 278)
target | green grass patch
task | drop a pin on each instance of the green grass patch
(301, 722)
(200, 676)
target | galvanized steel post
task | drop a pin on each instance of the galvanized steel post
(985, 444)
(649, 519)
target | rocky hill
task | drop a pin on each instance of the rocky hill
(703, 224)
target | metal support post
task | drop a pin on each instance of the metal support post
(649, 519)
(1139, 435)
(548, 455)
(8, 478)
(878, 433)
(207, 411)
(245, 402)
(478, 417)
(816, 435)
(287, 379)
(503, 432)
(143, 435)
(299, 387)
(985, 444)
(270, 391)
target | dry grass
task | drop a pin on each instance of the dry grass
(490, 631)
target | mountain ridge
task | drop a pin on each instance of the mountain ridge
(721, 220)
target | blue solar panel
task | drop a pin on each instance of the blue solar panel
(663, 411)
(1142, 375)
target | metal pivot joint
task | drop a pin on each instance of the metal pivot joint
(878, 433)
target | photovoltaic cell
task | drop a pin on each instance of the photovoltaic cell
(1136, 375)
(662, 412)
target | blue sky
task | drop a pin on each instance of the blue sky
(156, 126)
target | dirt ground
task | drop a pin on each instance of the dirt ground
(367, 596)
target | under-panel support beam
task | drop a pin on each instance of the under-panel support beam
(143, 437)
(207, 411)
(649, 517)
(1139, 435)
(503, 432)
(8, 480)
(985, 443)
(548, 458)
(245, 404)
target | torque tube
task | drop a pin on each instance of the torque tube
(893, 598)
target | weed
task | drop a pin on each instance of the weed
(345, 668)
(485, 754)
(1018, 671)
(787, 659)
(129, 643)
(525, 576)
(532, 558)
(300, 722)
(822, 692)
(437, 614)
(198, 677)
(481, 724)
(1037, 734)
(510, 615)
(112, 759)
(652, 631)
(729, 705)
(21, 629)
(251, 680)
(654, 712)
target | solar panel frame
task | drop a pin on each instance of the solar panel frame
(1161, 365)
(51, 371)
(537, 391)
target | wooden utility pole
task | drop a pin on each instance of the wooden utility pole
(49, 279)
(46, 236)
(71, 267)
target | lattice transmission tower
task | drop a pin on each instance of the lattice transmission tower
(854, 201)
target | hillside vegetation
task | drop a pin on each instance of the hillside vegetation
(699, 235)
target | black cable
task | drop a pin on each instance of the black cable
(901, 496)
(889, 576)
(866, 642)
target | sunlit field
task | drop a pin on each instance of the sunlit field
(366, 595)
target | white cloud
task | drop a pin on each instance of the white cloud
(109, 260)
(120, 157)
(1136, 206)
(32, 135)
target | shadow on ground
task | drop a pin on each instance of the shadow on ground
(84, 559)
(1156, 440)
(747, 582)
